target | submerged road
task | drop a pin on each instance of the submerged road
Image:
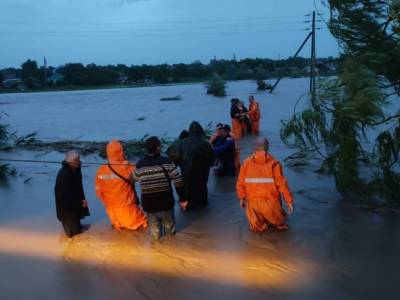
(331, 251)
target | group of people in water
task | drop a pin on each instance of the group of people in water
(260, 185)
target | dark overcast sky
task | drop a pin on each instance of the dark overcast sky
(155, 31)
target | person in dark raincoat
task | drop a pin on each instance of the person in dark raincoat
(71, 204)
(195, 158)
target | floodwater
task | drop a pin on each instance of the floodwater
(333, 249)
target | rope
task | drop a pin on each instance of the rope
(53, 162)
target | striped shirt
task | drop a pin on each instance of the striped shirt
(155, 173)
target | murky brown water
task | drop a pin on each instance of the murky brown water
(332, 250)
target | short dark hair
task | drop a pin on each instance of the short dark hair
(226, 127)
(152, 144)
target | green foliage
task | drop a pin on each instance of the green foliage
(339, 121)
(216, 86)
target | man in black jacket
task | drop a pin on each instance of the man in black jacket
(155, 173)
(71, 204)
(195, 158)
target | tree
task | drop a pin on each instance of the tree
(216, 86)
(341, 119)
(29, 73)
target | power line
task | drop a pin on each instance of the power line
(143, 22)
(142, 34)
(53, 162)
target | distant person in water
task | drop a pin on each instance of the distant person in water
(216, 134)
(195, 158)
(116, 190)
(244, 113)
(254, 115)
(224, 149)
(155, 174)
(71, 204)
(236, 117)
(260, 186)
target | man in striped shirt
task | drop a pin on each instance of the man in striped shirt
(155, 173)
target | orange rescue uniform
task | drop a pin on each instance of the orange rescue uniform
(261, 183)
(255, 116)
(117, 195)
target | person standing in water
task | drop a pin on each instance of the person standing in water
(259, 188)
(71, 204)
(254, 115)
(116, 190)
(195, 157)
(154, 173)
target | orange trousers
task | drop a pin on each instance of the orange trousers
(237, 129)
(129, 217)
(262, 212)
(255, 127)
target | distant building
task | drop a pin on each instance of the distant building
(12, 81)
(55, 79)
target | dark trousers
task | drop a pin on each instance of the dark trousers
(162, 223)
(225, 169)
(197, 197)
(72, 226)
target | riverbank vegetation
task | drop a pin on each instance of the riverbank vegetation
(32, 77)
(348, 122)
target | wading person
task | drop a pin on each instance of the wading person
(116, 190)
(244, 113)
(259, 188)
(254, 115)
(224, 151)
(195, 158)
(236, 117)
(155, 173)
(71, 204)
(216, 134)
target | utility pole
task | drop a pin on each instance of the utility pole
(297, 53)
(313, 56)
(44, 71)
(312, 63)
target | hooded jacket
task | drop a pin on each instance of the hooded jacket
(261, 179)
(194, 156)
(117, 194)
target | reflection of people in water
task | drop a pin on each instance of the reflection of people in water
(71, 204)
(259, 188)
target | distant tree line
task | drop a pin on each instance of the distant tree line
(32, 76)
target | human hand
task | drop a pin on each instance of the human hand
(183, 205)
(243, 203)
(290, 209)
(84, 203)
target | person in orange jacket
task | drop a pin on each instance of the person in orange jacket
(254, 115)
(115, 189)
(236, 116)
(259, 188)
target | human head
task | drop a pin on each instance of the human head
(184, 134)
(219, 128)
(153, 145)
(225, 130)
(196, 129)
(73, 159)
(262, 144)
(234, 101)
(251, 98)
